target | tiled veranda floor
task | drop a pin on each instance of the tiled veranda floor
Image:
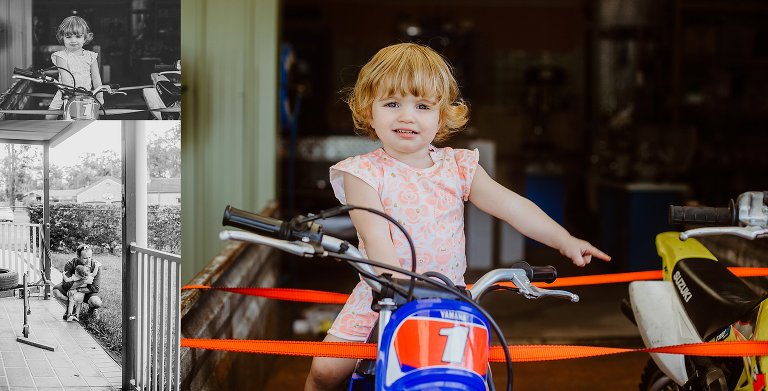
(78, 363)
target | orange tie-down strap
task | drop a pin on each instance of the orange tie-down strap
(288, 294)
(310, 296)
(518, 353)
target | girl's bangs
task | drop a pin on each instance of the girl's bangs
(412, 77)
(73, 28)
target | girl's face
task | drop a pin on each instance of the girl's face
(74, 42)
(405, 124)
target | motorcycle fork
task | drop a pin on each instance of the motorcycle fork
(706, 374)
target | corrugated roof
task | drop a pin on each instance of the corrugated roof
(164, 185)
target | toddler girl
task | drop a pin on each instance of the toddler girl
(73, 33)
(407, 98)
(76, 297)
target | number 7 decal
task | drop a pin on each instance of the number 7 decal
(455, 343)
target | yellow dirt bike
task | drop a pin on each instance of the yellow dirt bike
(700, 300)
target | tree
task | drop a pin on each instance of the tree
(164, 153)
(58, 177)
(93, 167)
(21, 170)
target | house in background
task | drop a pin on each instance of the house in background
(164, 191)
(160, 191)
(60, 195)
(106, 190)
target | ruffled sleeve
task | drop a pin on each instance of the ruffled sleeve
(59, 54)
(94, 55)
(362, 167)
(466, 161)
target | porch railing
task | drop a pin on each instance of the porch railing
(157, 278)
(22, 248)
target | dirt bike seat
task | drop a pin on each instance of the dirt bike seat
(168, 91)
(712, 296)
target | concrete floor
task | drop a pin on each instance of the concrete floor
(78, 362)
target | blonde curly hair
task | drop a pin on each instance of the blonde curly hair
(74, 25)
(403, 69)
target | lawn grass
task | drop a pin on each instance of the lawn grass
(108, 327)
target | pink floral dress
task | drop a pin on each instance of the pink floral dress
(428, 202)
(79, 63)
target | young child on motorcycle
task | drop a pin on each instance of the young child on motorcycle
(407, 97)
(73, 33)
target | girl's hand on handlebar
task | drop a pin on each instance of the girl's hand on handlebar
(580, 252)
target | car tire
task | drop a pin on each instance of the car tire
(8, 279)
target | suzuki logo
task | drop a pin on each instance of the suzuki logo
(681, 287)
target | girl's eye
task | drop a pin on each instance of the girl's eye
(422, 106)
(390, 104)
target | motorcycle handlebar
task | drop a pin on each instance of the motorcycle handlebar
(22, 72)
(35, 76)
(702, 215)
(280, 234)
(252, 222)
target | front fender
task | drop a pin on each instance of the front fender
(662, 321)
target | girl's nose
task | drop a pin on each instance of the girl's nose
(405, 115)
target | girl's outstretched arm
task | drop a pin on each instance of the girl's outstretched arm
(373, 229)
(529, 219)
(96, 80)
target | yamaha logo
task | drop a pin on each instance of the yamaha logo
(681, 287)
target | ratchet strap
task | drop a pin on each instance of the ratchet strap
(311, 296)
(518, 353)
(288, 294)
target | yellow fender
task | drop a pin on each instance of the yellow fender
(671, 249)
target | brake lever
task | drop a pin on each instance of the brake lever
(750, 232)
(107, 89)
(522, 282)
(296, 247)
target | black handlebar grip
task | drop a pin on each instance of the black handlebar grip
(543, 274)
(252, 222)
(22, 72)
(701, 215)
(537, 273)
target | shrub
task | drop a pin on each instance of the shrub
(100, 226)
(72, 224)
(164, 231)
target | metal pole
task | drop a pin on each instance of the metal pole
(130, 289)
(141, 181)
(46, 217)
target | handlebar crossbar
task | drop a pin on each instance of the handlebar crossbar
(519, 276)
